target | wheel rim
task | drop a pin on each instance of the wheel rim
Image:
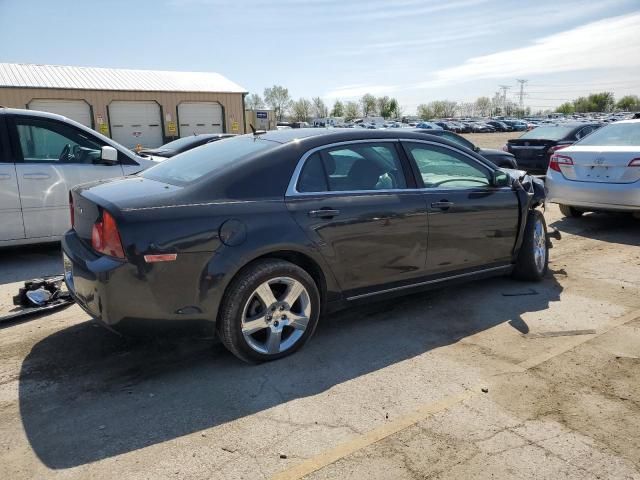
(276, 315)
(539, 246)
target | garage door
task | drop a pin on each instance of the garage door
(199, 117)
(77, 110)
(136, 123)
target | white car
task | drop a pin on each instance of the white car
(42, 156)
(601, 172)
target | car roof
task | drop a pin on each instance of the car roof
(333, 135)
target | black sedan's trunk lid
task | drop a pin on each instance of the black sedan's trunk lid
(532, 154)
(116, 196)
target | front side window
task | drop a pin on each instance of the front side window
(443, 168)
(357, 167)
(52, 141)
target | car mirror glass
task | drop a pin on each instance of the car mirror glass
(500, 179)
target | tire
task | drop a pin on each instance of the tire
(569, 211)
(530, 265)
(256, 323)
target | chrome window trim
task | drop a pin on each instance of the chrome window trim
(429, 282)
(292, 190)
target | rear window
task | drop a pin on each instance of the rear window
(557, 132)
(199, 162)
(615, 134)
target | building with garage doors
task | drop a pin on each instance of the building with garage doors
(134, 107)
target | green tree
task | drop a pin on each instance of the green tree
(351, 111)
(278, 98)
(368, 103)
(301, 110)
(483, 106)
(567, 108)
(253, 102)
(338, 109)
(320, 110)
(383, 106)
(395, 110)
(581, 105)
(424, 111)
(629, 103)
(602, 102)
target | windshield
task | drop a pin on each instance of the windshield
(195, 164)
(552, 132)
(615, 134)
(183, 142)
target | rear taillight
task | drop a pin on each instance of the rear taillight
(555, 148)
(634, 163)
(557, 160)
(71, 211)
(105, 237)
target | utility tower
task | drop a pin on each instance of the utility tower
(504, 89)
(522, 94)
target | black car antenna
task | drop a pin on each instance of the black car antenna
(256, 132)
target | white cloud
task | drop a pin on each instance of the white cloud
(605, 44)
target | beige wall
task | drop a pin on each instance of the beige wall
(100, 99)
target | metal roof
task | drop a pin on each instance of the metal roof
(28, 75)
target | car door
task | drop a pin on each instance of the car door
(354, 204)
(53, 157)
(11, 226)
(472, 224)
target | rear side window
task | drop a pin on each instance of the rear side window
(199, 162)
(312, 177)
(357, 167)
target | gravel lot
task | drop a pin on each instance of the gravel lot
(494, 379)
(491, 140)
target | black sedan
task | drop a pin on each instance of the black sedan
(257, 235)
(534, 148)
(180, 145)
(497, 157)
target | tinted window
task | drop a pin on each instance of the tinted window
(444, 168)
(615, 134)
(363, 166)
(195, 164)
(53, 141)
(552, 132)
(312, 177)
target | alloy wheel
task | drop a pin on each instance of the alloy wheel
(276, 315)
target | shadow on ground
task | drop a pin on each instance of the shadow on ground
(609, 227)
(18, 264)
(86, 394)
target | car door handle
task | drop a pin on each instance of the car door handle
(36, 176)
(442, 204)
(324, 213)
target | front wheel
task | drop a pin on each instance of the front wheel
(569, 211)
(269, 311)
(533, 258)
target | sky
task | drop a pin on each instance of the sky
(414, 50)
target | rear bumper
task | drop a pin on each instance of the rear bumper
(615, 197)
(132, 298)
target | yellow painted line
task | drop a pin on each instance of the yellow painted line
(372, 436)
(331, 456)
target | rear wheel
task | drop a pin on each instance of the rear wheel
(269, 311)
(569, 211)
(533, 258)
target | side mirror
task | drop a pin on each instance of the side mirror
(500, 179)
(109, 155)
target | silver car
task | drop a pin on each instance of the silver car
(601, 172)
(42, 156)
